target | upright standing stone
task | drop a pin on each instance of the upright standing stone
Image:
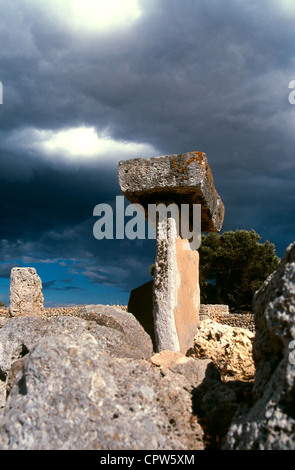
(25, 296)
(177, 180)
(176, 291)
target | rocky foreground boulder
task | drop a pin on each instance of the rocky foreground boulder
(230, 348)
(88, 383)
(269, 423)
(93, 381)
(71, 395)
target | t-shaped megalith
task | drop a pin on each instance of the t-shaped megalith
(183, 179)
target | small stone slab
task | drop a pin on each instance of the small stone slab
(182, 179)
(25, 295)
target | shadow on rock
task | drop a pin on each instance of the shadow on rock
(215, 403)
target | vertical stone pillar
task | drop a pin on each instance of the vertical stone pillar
(176, 289)
(25, 295)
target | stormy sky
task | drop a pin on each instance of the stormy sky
(86, 84)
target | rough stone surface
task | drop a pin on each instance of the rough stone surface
(17, 337)
(193, 369)
(25, 296)
(184, 178)
(270, 423)
(123, 334)
(117, 332)
(176, 300)
(67, 391)
(3, 320)
(210, 310)
(169, 359)
(70, 395)
(214, 401)
(228, 347)
(55, 369)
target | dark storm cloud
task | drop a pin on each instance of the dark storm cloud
(5, 270)
(210, 76)
(52, 285)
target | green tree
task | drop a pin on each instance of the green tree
(233, 266)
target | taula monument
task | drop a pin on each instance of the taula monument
(174, 180)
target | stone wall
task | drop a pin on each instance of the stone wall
(221, 314)
(209, 310)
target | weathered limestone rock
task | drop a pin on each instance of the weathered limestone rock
(169, 359)
(183, 178)
(270, 423)
(71, 392)
(230, 348)
(174, 180)
(117, 333)
(192, 368)
(3, 320)
(25, 296)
